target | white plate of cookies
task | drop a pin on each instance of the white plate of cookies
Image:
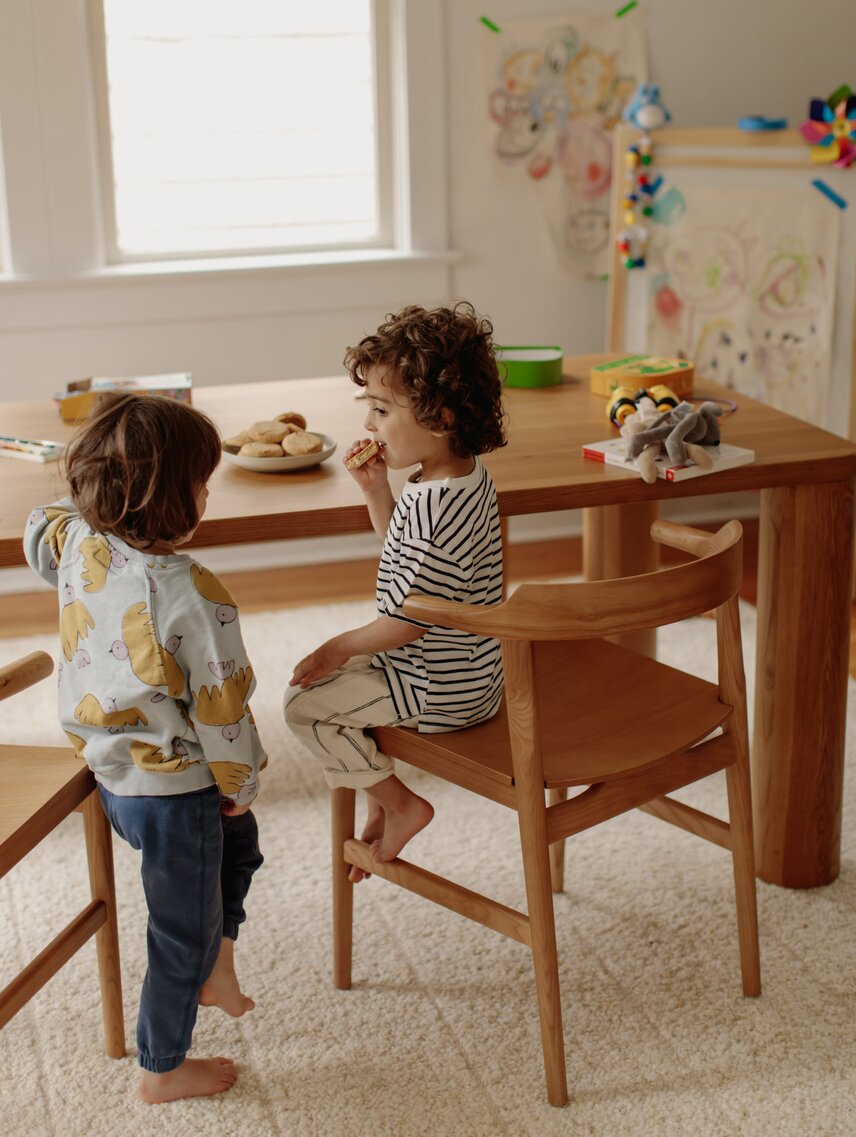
(275, 446)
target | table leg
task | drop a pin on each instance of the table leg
(617, 542)
(804, 599)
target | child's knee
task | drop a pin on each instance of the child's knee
(291, 708)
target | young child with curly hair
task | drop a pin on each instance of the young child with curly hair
(154, 683)
(434, 402)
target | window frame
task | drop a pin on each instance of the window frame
(53, 189)
(382, 48)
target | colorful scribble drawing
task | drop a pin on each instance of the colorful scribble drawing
(751, 301)
(555, 94)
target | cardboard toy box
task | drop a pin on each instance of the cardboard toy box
(78, 399)
(642, 371)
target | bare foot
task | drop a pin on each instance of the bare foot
(405, 813)
(221, 988)
(194, 1078)
(372, 831)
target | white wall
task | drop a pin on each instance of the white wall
(715, 61)
(483, 239)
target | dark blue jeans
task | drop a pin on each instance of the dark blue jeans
(197, 864)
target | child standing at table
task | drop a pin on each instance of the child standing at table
(153, 689)
(434, 402)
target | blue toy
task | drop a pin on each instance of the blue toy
(758, 122)
(645, 110)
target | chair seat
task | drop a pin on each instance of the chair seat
(649, 709)
(56, 782)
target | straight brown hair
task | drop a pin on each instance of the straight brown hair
(137, 464)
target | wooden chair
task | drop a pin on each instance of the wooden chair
(42, 785)
(580, 711)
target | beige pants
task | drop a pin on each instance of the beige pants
(331, 718)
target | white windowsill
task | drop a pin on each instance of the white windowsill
(214, 267)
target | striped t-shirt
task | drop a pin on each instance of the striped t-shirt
(443, 540)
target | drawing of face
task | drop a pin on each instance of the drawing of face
(521, 71)
(589, 78)
(587, 231)
(585, 158)
(560, 46)
(519, 136)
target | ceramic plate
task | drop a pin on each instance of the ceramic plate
(287, 462)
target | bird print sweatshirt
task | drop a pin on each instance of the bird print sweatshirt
(153, 676)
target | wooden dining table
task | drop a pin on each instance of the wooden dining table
(802, 477)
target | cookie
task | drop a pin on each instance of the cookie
(268, 430)
(261, 450)
(362, 456)
(299, 442)
(292, 416)
(238, 440)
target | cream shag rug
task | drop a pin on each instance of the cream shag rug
(439, 1034)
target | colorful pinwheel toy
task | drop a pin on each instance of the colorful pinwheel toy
(831, 128)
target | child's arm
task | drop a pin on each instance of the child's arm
(372, 478)
(219, 682)
(45, 536)
(382, 634)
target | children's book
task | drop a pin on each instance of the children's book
(613, 452)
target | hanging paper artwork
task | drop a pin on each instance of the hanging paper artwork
(555, 91)
(750, 302)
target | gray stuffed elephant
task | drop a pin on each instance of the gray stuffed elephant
(684, 431)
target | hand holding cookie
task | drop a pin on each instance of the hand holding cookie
(364, 462)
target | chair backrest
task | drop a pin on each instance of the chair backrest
(596, 609)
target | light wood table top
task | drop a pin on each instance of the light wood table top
(805, 476)
(540, 470)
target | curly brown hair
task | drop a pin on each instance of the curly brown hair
(443, 360)
(137, 465)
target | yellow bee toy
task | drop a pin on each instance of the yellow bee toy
(624, 401)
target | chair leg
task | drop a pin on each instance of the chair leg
(536, 871)
(743, 859)
(99, 857)
(342, 801)
(557, 849)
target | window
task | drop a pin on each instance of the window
(242, 127)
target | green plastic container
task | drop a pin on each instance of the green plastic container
(530, 366)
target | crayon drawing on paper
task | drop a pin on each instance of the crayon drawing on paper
(743, 283)
(555, 91)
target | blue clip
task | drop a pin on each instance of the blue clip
(758, 122)
(829, 192)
